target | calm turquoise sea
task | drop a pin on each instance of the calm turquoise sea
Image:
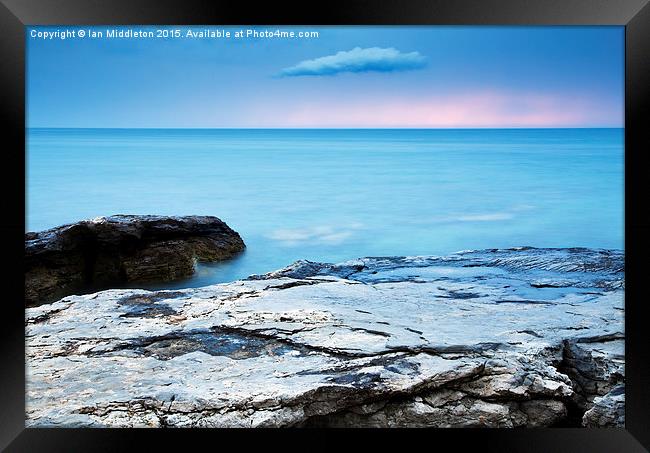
(333, 195)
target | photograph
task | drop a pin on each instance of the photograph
(332, 226)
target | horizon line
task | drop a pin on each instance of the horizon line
(330, 128)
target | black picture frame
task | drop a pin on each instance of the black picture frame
(15, 15)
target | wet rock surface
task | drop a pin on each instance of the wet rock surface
(495, 338)
(109, 251)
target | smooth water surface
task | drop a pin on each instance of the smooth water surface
(334, 195)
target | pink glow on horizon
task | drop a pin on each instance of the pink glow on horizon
(479, 109)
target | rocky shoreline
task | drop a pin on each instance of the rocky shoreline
(106, 252)
(520, 337)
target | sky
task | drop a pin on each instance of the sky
(346, 77)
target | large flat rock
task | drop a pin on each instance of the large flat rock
(498, 338)
(109, 251)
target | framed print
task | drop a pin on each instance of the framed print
(369, 219)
